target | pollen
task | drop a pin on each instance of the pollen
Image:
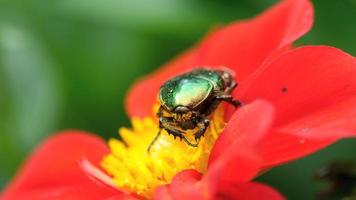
(135, 170)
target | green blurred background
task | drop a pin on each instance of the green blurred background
(67, 64)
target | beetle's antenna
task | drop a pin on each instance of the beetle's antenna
(154, 141)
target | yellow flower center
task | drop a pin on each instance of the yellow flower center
(135, 170)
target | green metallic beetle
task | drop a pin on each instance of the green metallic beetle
(187, 101)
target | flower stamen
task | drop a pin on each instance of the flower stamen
(135, 170)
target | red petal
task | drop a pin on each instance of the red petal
(245, 128)
(53, 171)
(234, 155)
(143, 94)
(162, 193)
(185, 185)
(237, 164)
(89, 191)
(334, 122)
(247, 191)
(189, 185)
(241, 46)
(277, 148)
(313, 90)
(303, 81)
(244, 46)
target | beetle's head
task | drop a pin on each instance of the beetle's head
(227, 75)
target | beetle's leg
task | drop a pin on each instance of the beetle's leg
(179, 134)
(165, 124)
(203, 125)
(229, 99)
(154, 140)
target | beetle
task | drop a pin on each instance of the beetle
(187, 100)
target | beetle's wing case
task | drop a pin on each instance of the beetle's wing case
(213, 76)
(187, 90)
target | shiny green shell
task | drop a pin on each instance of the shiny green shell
(190, 89)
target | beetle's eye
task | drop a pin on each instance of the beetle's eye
(227, 77)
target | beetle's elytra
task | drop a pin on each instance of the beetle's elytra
(188, 99)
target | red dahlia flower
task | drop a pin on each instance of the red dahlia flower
(309, 96)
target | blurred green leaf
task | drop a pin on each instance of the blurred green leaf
(31, 87)
(165, 16)
(334, 27)
(177, 18)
